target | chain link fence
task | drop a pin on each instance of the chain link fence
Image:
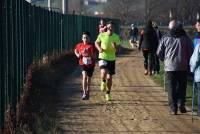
(29, 33)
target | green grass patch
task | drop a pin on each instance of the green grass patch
(159, 79)
(125, 44)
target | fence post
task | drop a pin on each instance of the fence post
(61, 33)
(1, 65)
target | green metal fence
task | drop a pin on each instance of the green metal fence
(28, 33)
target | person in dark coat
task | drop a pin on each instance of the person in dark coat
(147, 43)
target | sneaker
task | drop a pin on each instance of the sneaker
(153, 72)
(182, 109)
(108, 97)
(84, 97)
(146, 72)
(173, 112)
(87, 97)
(150, 73)
(157, 72)
(103, 86)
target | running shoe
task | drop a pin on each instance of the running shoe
(108, 97)
(182, 109)
(103, 86)
(84, 97)
(87, 96)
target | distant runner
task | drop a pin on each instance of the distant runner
(133, 33)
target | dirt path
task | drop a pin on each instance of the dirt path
(139, 106)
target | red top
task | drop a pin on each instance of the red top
(87, 54)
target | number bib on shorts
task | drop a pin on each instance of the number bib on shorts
(102, 63)
(87, 60)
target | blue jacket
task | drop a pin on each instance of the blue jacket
(195, 63)
(197, 39)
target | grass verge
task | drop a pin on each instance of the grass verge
(159, 79)
(37, 108)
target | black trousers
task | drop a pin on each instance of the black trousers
(156, 63)
(148, 60)
(176, 84)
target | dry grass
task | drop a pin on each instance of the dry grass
(37, 107)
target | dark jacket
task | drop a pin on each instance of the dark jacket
(175, 49)
(159, 36)
(133, 32)
(148, 39)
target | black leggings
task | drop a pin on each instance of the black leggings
(148, 60)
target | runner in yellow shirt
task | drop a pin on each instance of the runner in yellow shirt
(106, 44)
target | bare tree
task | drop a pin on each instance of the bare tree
(121, 9)
(151, 8)
(185, 10)
(76, 6)
(128, 10)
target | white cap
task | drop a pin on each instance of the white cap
(132, 25)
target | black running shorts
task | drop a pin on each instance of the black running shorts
(89, 70)
(110, 66)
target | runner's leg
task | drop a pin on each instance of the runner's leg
(84, 81)
(88, 87)
(89, 77)
(103, 74)
(109, 82)
(131, 43)
(103, 79)
(145, 55)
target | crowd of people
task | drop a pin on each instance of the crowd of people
(174, 48)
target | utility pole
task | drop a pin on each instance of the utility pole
(146, 9)
(29, 1)
(170, 15)
(198, 16)
(49, 5)
(64, 11)
(64, 6)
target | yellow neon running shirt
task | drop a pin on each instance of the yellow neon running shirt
(106, 40)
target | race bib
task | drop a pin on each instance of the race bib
(102, 63)
(87, 60)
